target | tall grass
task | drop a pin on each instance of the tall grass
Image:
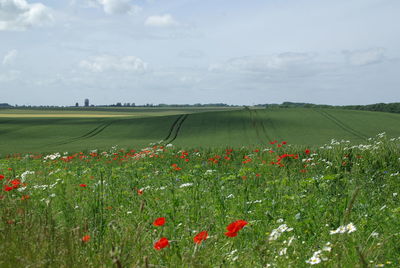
(335, 206)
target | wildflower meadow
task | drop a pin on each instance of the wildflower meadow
(279, 205)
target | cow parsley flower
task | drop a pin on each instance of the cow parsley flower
(349, 228)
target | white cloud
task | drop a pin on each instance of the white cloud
(20, 15)
(265, 63)
(116, 6)
(165, 20)
(9, 76)
(10, 57)
(111, 63)
(365, 57)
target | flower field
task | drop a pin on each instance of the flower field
(277, 205)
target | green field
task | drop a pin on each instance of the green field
(336, 206)
(264, 188)
(49, 130)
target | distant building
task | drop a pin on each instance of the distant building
(86, 102)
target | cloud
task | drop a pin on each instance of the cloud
(165, 20)
(10, 57)
(116, 6)
(17, 15)
(191, 54)
(106, 63)
(265, 63)
(365, 57)
(9, 76)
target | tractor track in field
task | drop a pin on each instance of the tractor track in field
(258, 125)
(175, 128)
(340, 124)
(94, 132)
(261, 123)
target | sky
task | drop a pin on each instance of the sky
(244, 52)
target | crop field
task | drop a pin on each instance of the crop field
(80, 129)
(267, 205)
(199, 188)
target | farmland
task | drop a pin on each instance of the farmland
(268, 206)
(201, 188)
(136, 128)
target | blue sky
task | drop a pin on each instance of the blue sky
(190, 51)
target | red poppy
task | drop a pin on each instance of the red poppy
(16, 183)
(162, 243)
(235, 227)
(307, 151)
(200, 237)
(25, 197)
(86, 238)
(82, 185)
(231, 234)
(159, 221)
(8, 188)
(1, 176)
(140, 191)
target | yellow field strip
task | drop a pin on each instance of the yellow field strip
(65, 115)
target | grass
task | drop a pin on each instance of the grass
(290, 205)
(198, 128)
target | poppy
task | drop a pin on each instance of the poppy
(235, 227)
(16, 183)
(162, 243)
(200, 237)
(1, 176)
(82, 185)
(159, 221)
(8, 188)
(86, 238)
(307, 151)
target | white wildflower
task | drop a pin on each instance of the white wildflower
(26, 173)
(254, 202)
(374, 234)
(186, 185)
(313, 260)
(282, 251)
(349, 228)
(276, 233)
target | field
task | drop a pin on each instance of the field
(216, 188)
(268, 206)
(201, 127)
